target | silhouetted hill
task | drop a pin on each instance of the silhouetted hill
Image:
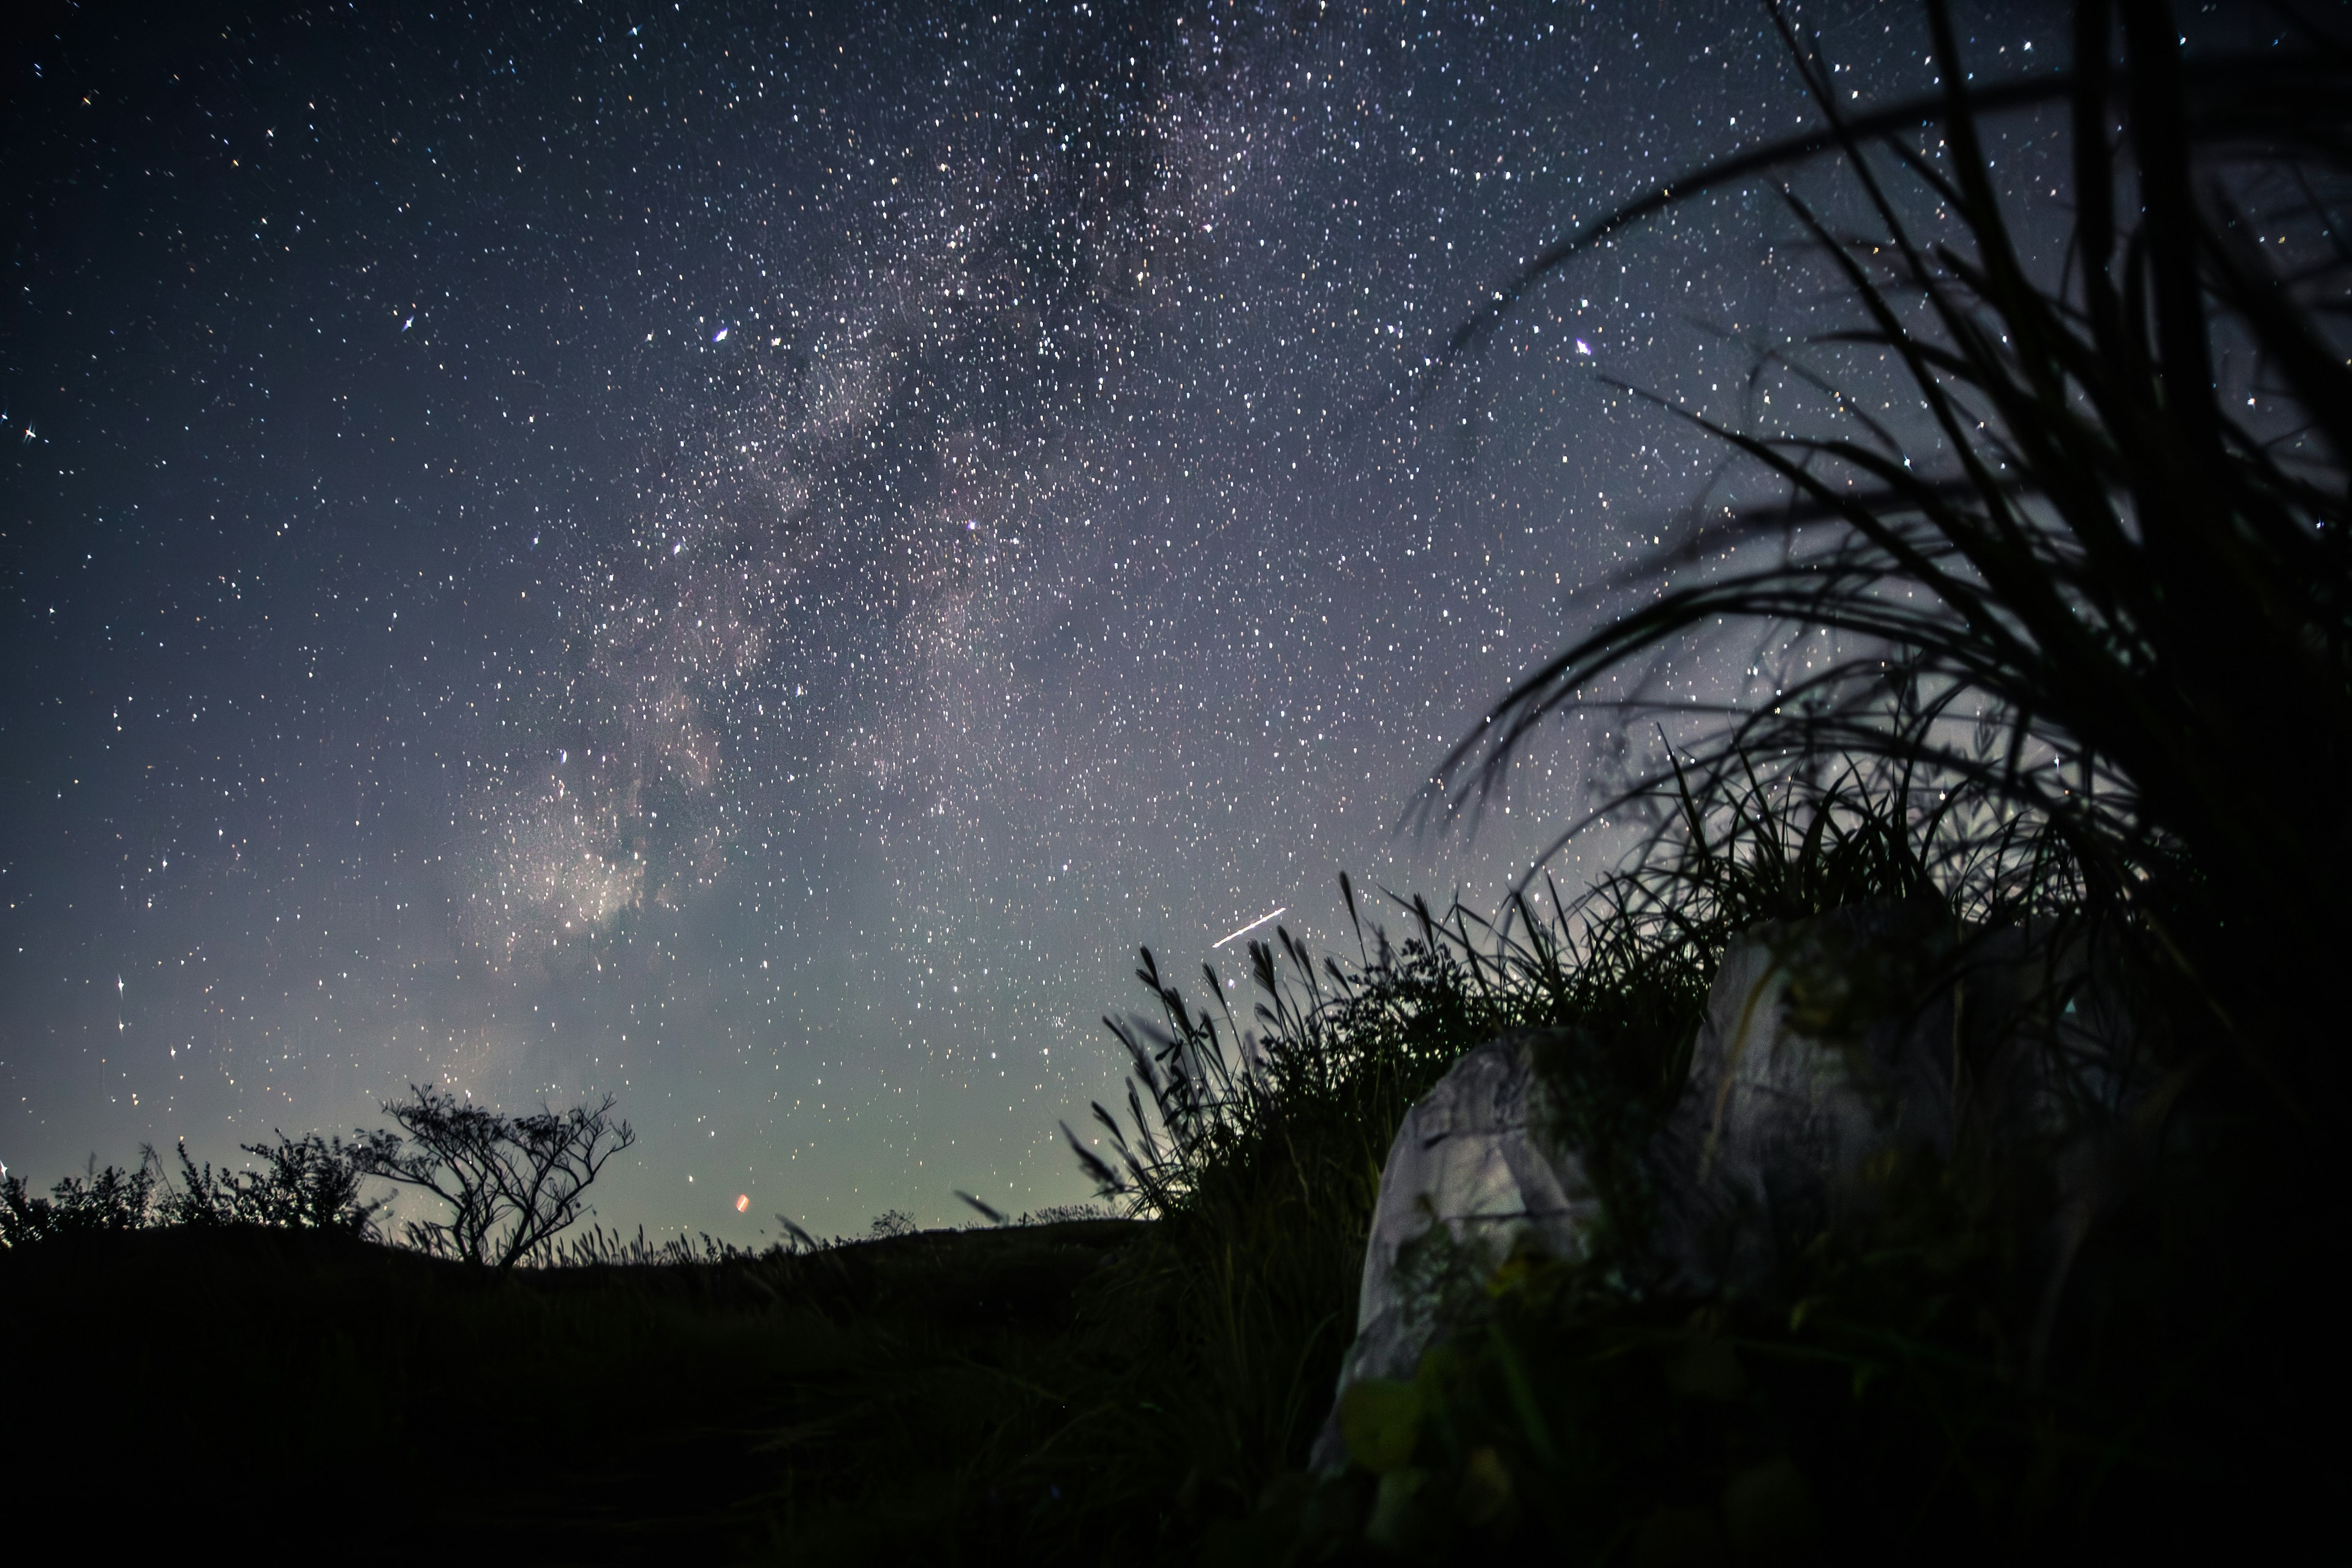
(257, 1388)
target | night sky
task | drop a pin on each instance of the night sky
(745, 559)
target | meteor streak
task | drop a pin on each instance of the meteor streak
(1247, 929)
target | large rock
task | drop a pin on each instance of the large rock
(1828, 1044)
(1470, 1178)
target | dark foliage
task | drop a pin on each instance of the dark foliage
(512, 1184)
(303, 1184)
(107, 1200)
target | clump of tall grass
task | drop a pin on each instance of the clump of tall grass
(1259, 1156)
(2095, 556)
(597, 1247)
(1885, 1375)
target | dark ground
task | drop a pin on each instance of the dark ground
(263, 1390)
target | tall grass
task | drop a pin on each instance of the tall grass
(2096, 678)
(1256, 1141)
(2098, 556)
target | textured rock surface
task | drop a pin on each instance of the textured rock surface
(1470, 1178)
(1827, 1044)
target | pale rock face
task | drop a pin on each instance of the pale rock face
(1470, 1177)
(1827, 1044)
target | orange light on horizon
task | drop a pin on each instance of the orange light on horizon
(742, 1202)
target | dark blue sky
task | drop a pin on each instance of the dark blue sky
(745, 558)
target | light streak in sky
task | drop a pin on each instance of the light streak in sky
(1247, 929)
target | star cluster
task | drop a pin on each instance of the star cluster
(745, 558)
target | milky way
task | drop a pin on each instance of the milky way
(747, 559)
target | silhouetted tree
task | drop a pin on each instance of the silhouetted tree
(511, 1183)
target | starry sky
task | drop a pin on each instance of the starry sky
(745, 558)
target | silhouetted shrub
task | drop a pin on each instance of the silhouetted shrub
(304, 1183)
(110, 1199)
